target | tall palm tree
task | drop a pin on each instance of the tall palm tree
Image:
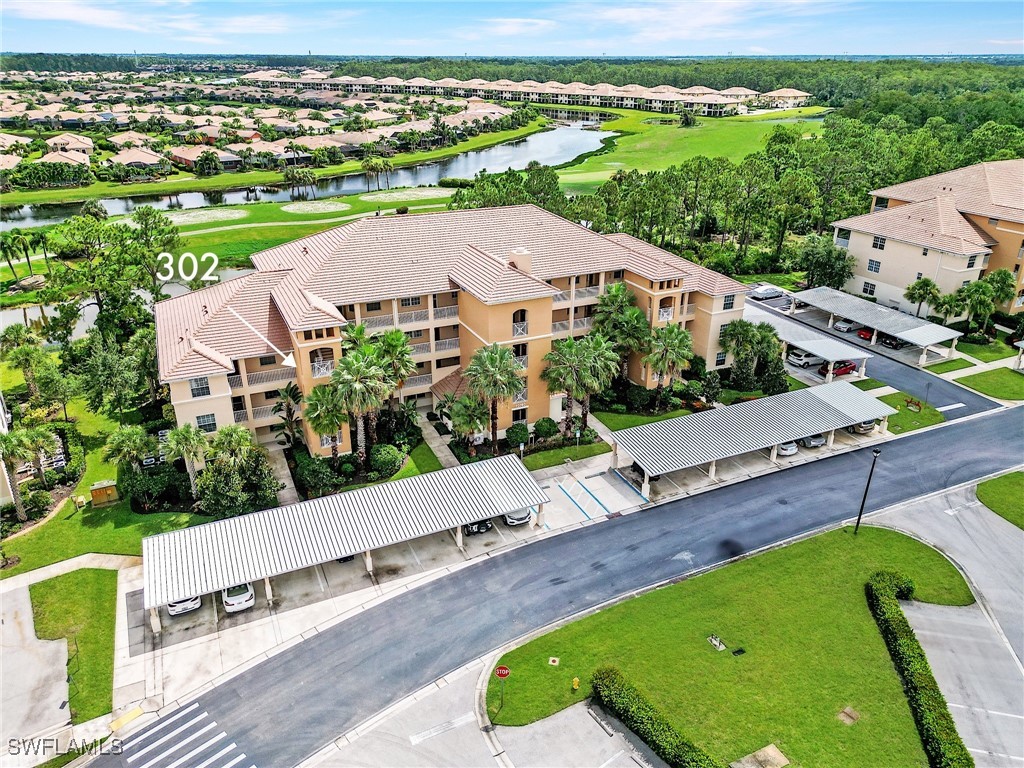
(364, 385)
(948, 305)
(979, 301)
(22, 243)
(128, 445)
(40, 440)
(9, 251)
(671, 351)
(190, 444)
(354, 337)
(386, 167)
(563, 361)
(469, 416)
(232, 445)
(395, 355)
(288, 409)
(610, 307)
(738, 336)
(1003, 284)
(325, 414)
(15, 448)
(602, 364)
(632, 333)
(39, 239)
(22, 349)
(493, 374)
(921, 291)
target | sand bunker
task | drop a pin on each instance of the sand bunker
(204, 215)
(409, 194)
(321, 206)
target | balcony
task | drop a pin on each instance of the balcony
(322, 368)
(561, 298)
(379, 321)
(416, 316)
(560, 327)
(263, 412)
(264, 377)
(235, 381)
(522, 360)
(689, 310)
(520, 329)
(589, 292)
(521, 396)
(664, 314)
(420, 349)
(446, 312)
(444, 345)
(423, 380)
(241, 416)
(582, 323)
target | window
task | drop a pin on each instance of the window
(869, 289)
(307, 335)
(519, 350)
(1016, 268)
(874, 266)
(519, 415)
(270, 395)
(994, 222)
(373, 306)
(720, 358)
(971, 262)
(207, 422)
(411, 301)
(617, 274)
(881, 203)
(414, 334)
(878, 243)
(268, 360)
(721, 331)
(924, 251)
(965, 283)
(729, 301)
(519, 316)
(919, 275)
(200, 387)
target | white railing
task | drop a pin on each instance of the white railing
(520, 329)
(582, 322)
(422, 380)
(588, 293)
(241, 416)
(519, 421)
(665, 314)
(235, 381)
(1019, 302)
(443, 345)
(561, 298)
(379, 321)
(443, 312)
(420, 349)
(560, 327)
(520, 396)
(322, 368)
(522, 360)
(278, 374)
(689, 311)
(416, 316)
(263, 412)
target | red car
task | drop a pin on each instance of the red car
(865, 333)
(841, 368)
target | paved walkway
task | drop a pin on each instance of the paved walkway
(91, 560)
(279, 466)
(437, 443)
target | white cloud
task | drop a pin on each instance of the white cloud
(758, 49)
(1017, 43)
(512, 27)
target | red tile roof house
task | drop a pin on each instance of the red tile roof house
(71, 158)
(70, 142)
(187, 156)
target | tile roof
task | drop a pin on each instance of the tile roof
(137, 155)
(494, 280)
(698, 278)
(199, 335)
(934, 223)
(62, 156)
(986, 189)
(454, 383)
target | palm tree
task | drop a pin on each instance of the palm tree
(386, 167)
(563, 361)
(232, 445)
(738, 337)
(15, 448)
(128, 445)
(395, 355)
(39, 239)
(22, 349)
(1004, 285)
(493, 374)
(671, 351)
(444, 406)
(21, 242)
(371, 167)
(40, 440)
(601, 363)
(979, 301)
(948, 305)
(189, 443)
(364, 385)
(469, 416)
(325, 414)
(9, 251)
(920, 291)
(632, 333)
(287, 408)
(610, 307)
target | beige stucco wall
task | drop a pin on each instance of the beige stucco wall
(1007, 253)
(218, 402)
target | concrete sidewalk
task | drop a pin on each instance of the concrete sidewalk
(91, 560)
(437, 443)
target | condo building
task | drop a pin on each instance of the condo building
(952, 227)
(452, 281)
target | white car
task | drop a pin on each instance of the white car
(238, 598)
(764, 292)
(845, 325)
(184, 606)
(788, 449)
(519, 517)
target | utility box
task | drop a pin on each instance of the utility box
(104, 492)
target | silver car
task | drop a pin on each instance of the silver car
(519, 517)
(765, 292)
(184, 606)
(787, 449)
(238, 598)
(812, 441)
(845, 325)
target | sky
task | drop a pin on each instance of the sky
(523, 27)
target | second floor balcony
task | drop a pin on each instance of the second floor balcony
(422, 348)
(522, 360)
(444, 345)
(263, 412)
(665, 314)
(265, 377)
(422, 380)
(560, 326)
(520, 329)
(445, 312)
(560, 298)
(582, 323)
(322, 368)
(590, 292)
(240, 416)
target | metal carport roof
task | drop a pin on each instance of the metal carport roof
(903, 326)
(799, 335)
(206, 558)
(700, 438)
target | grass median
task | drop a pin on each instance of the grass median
(1001, 383)
(1004, 495)
(906, 418)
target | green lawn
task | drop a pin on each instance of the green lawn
(1005, 496)
(785, 280)
(556, 456)
(616, 421)
(1001, 383)
(997, 349)
(649, 146)
(868, 384)
(730, 396)
(81, 606)
(421, 461)
(812, 648)
(956, 364)
(907, 420)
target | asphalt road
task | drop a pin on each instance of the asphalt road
(287, 707)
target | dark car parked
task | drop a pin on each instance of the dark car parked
(893, 343)
(480, 526)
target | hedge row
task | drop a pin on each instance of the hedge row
(942, 743)
(630, 706)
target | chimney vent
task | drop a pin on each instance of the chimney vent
(521, 259)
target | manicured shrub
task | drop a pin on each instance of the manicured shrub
(454, 183)
(618, 408)
(385, 460)
(638, 399)
(545, 428)
(347, 469)
(516, 434)
(314, 475)
(976, 338)
(942, 743)
(37, 502)
(630, 706)
(402, 209)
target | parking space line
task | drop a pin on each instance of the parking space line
(236, 761)
(591, 494)
(953, 407)
(414, 555)
(995, 754)
(988, 711)
(608, 762)
(574, 502)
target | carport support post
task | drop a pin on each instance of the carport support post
(831, 319)
(615, 456)
(831, 438)
(874, 336)
(952, 347)
(645, 489)
(538, 521)
(884, 425)
(269, 590)
(458, 537)
(711, 469)
(785, 348)
(154, 620)
(924, 356)
(774, 458)
(863, 372)
(368, 562)
(830, 375)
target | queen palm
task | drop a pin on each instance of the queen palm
(493, 374)
(671, 351)
(128, 445)
(325, 413)
(364, 385)
(948, 305)
(21, 242)
(287, 408)
(563, 362)
(15, 448)
(40, 239)
(190, 444)
(395, 355)
(469, 416)
(922, 291)
(601, 363)
(979, 301)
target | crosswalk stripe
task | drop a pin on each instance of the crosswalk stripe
(236, 761)
(218, 756)
(131, 742)
(197, 750)
(170, 735)
(179, 744)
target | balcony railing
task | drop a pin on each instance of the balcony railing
(582, 322)
(443, 345)
(689, 311)
(521, 396)
(522, 360)
(561, 298)
(588, 292)
(520, 329)
(665, 314)
(322, 368)
(422, 380)
(416, 316)
(420, 349)
(560, 327)
(241, 416)
(263, 377)
(263, 412)
(235, 381)
(443, 312)
(379, 321)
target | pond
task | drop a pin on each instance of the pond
(553, 147)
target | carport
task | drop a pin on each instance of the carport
(908, 328)
(798, 335)
(207, 558)
(710, 436)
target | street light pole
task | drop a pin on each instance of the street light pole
(875, 453)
